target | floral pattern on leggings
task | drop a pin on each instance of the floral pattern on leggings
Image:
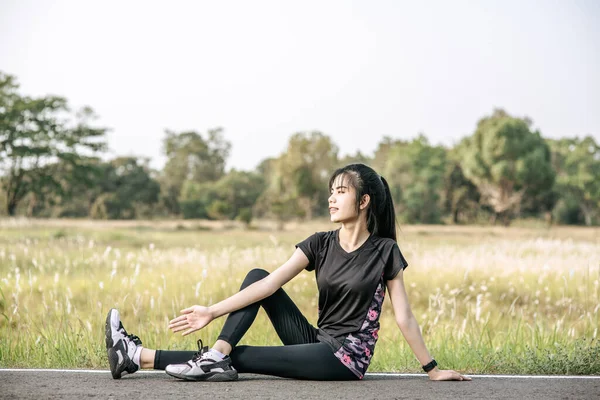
(358, 347)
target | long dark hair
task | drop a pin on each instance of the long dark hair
(381, 217)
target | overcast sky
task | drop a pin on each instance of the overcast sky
(262, 70)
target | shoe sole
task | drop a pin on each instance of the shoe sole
(108, 331)
(113, 358)
(225, 376)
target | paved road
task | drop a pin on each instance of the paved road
(84, 385)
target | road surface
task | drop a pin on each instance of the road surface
(57, 384)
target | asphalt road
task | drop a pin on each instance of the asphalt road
(85, 385)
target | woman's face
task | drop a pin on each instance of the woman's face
(342, 201)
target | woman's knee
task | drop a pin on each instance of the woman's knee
(253, 276)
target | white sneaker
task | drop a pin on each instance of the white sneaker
(120, 346)
(204, 368)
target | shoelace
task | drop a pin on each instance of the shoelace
(134, 339)
(201, 350)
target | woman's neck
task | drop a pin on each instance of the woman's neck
(353, 234)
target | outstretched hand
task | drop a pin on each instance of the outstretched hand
(192, 319)
(446, 375)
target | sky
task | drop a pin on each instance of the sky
(262, 70)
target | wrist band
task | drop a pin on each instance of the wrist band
(430, 366)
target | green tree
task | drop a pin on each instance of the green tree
(127, 190)
(504, 159)
(577, 165)
(196, 198)
(298, 178)
(76, 190)
(34, 135)
(241, 190)
(390, 162)
(306, 166)
(415, 173)
(231, 197)
(191, 157)
(461, 197)
(265, 206)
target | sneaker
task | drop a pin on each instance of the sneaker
(203, 368)
(120, 346)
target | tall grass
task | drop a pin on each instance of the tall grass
(489, 300)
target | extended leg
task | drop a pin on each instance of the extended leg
(314, 361)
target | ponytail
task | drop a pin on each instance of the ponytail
(386, 221)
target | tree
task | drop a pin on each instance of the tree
(461, 198)
(231, 197)
(415, 172)
(78, 187)
(192, 157)
(577, 164)
(382, 154)
(298, 178)
(504, 159)
(34, 135)
(240, 190)
(127, 189)
(390, 162)
(195, 199)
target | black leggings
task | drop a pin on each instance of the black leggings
(301, 357)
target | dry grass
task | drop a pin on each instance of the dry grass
(489, 299)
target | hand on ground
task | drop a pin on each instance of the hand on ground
(446, 375)
(191, 319)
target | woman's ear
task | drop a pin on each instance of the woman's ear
(364, 201)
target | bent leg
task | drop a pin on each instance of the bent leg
(314, 361)
(289, 323)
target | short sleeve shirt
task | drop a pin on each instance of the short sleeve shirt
(351, 292)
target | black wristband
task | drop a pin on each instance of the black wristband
(430, 366)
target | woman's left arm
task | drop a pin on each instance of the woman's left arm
(412, 333)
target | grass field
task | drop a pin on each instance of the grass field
(489, 300)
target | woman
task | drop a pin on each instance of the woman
(353, 266)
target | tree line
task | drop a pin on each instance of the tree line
(50, 166)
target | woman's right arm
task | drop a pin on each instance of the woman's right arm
(196, 317)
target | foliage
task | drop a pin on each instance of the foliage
(231, 197)
(35, 134)
(297, 180)
(122, 188)
(73, 195)
(461, 198)
(577, 164)
(49, 167)
(505, 159)
(194, 158)
(415, 173)
(125, 186)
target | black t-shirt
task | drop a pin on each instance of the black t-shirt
(348, 282)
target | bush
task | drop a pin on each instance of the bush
(567, 212)
(193, 209)
(245, 215)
